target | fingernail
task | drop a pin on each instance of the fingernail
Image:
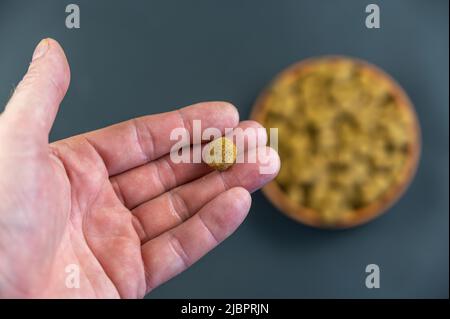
(41, 49)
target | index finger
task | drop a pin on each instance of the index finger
(135, 142)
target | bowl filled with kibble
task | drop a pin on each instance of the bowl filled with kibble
(348, 139)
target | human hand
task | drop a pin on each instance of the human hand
(109, 201)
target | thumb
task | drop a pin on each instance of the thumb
(32, 109)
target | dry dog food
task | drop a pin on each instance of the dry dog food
(346, 137)
(220, 154)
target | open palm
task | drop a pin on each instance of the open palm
(108, 205)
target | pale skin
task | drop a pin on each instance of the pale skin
(110, 201)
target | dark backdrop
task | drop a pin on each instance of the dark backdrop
(132, 58)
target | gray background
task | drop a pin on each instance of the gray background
(132, 58)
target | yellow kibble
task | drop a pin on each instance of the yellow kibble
(342, 133)
(220, 154)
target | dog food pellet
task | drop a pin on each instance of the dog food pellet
(220, 154)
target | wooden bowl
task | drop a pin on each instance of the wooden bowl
(361, 215)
